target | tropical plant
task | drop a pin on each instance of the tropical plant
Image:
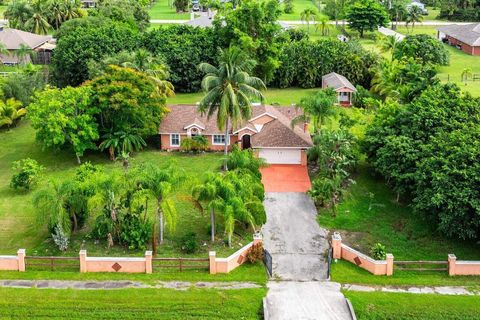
(195, 143)
(378, 251)
(388, 44)
(27, 174)
(11, 111)
(308, 15)
(288, 6)
(317, 108)
(323, 25)
(38, 22)
(244, 159)
(189, 243)
(229, 90)
(414, 15)
(466, 73)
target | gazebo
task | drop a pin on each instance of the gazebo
(344, 88)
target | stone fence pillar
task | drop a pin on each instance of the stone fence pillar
(148, 262)
(21, 260)
(452, 260)
(213, 264)
(83, 260)
(389, 264)
(257, 238)
(337, 245)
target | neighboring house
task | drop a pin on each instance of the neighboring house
(14, 40)
(88, 3)
(344, 88)
(419, 5)
(269, 132)
(464, 37)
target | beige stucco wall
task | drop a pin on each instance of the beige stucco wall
(8, 263)
(225, 265)
(165, 142)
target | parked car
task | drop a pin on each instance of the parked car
(195, 5)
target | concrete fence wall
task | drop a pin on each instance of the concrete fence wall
(225, 265)
(462, 267)
(109, 264)
(13, 263)
(376, 267)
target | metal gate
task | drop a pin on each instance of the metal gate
(329, 261)
(267, 260)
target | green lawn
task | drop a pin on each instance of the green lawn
(131, 304)
(379, 305)
(161, 10)
(370, 214)
(298, 7)
(18, 223)
(284, 97)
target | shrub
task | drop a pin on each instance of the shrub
(288, 6)
(195, 144)
(27, 174)
(423, 48)
(255, 254)
(135, 231)
(60, 239)
(189, 243)
(378, 251)
(244, 159)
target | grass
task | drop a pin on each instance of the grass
(283, 97)
(131, 304)
(298, 7)
(247, 272)
(161, 10)
(18, 224)
(380, 305)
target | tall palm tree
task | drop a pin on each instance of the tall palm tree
(17, 14)
(307, 15)
(323, 25)
(56, 12)
(229, 89)
(317, 108)
(38, 22)
(159, 183)
(466, 73)
(414, 14)
(24, 53)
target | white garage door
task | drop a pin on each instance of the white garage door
(281, 156)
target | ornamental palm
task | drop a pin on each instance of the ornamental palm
(414, 15)
(317, 109)
(323, 25)
(389, 44)
(17, 14)
(229, 89)
(307, 15)
(10, 112)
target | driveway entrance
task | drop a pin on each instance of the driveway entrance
(285, 178)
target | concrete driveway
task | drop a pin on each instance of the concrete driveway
(293, 237)
(285, 178)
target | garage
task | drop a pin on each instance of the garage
(281, 156)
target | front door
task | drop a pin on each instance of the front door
(246, 144)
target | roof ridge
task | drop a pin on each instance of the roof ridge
(283, 119)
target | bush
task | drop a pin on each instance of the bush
(195, 144)
(255, 254)
(27, 174)
(378, 251)
(423, 48)
(244, 159)
(189, 243)
(135, 232)
(288, 6)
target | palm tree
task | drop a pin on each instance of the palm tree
(466, 73)
(17, 14)
(323, 25)
(384, 82)
(414, 14)
(159, 184)
(38, 22)
(317, 108)
(71, 9)
(209, 192)
(229, 89)
(10, 112)
(23, 52)
(307, 15)
(55, 10)
(121, 142)
(389, 44)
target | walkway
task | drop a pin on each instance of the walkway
(298, 247)
(110, 285)
(285, 178)
(389, 32)
(444, 290)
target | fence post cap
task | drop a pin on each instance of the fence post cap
(21, 251)
(212, 253)
(451, 256)
(148, 253)
(389, 256)
(336, 236)
(83, 252)
(257, 236)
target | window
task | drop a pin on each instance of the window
(175, 140)
(218, 139)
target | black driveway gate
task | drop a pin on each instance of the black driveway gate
(267, 260)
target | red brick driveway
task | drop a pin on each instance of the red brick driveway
(285, 178)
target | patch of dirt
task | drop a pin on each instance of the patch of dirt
(356, 240)
(399, 225)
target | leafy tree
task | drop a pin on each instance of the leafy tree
(336, 9)
(253, 27)
(366, 15)
(63, 117)
(288, 6)
(229, 89)
(27, 173)
(414, 15)
(423, 48)
(317, 108)
(308, 15)
(17, 13)
(23, 85)
(11, 111)
(90, 41)
(132, 13)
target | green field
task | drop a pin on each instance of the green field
(18, 222)
(163, 10)
(298, 7)
(131, 304)
(405, 306)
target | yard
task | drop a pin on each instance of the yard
(131, 304)
(298, 7)
(18, 220)
(164, 10)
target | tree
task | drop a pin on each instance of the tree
(423, 48)
(159, 183)
(38, 22)
(335, 9)
(65, 117)
(317, 108)
(17, 14)
(27, 174)
(366, 15)
(323, 25)
(389, 44)
(414, 15)
(128, 12)
(307, 15)
(121, 143)
(466, 73)
(229, 90)
(288, 6)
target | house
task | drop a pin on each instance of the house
(465, 37)
(16, 40)
(344, 88)
(88, 3)
(269, 132)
